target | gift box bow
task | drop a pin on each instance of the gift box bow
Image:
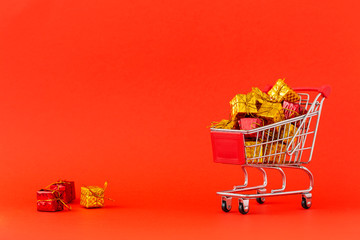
(243, 103)
(97, 195)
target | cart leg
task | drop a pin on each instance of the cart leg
(246, 179)
(264, 176)
(226, 203)
(283, 181)
(307, 171)
(306, 200)
(243, 206)
(311, 177)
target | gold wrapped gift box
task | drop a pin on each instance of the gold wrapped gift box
(253, 152)
(243, 104)
(287, 132)
(275, 153)
(224, 124)
(260, 96)
(281, 91)
(93, 196)
(273, 112)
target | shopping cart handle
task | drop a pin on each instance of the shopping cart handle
(324, 90)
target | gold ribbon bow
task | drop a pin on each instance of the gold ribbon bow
(93, 196)
(243, 103)
(57, 182)
(97, 195)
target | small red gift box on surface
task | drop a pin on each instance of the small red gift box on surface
(293, 109)
(49, 201)
(249, 124)
(66, 188)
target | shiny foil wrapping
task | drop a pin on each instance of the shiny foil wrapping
(48, 201)
(281, 91)
(67, 188)
(243, 104)
(224, 124)
(92, 196)
(249, 124)
(292, 109)
(253, 151)
(273, 112)
(287, 132)
(278, 149)
(260, 95)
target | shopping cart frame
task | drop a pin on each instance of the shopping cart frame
(288, 158)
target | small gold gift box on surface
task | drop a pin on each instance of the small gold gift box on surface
(93, 196)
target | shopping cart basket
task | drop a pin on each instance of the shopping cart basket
(286, 144)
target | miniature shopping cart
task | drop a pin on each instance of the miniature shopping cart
(271, 149)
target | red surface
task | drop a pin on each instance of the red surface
(123, 91)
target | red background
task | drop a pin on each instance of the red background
(123, 91)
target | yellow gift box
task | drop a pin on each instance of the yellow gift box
(224, 124)
(243, 104)
(271, 111)
(281, 91)
(252, 151)
(93, 196)
(287, 132)
(278, 149)
(260, 95)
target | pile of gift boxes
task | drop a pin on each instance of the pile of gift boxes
(256, 109)
(58, 195)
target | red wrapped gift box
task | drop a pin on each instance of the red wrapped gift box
(49, 201)
(66, 188)
(293, 109)
(249, 124)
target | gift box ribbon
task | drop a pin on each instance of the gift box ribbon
(97, 195)
(243, 103)
(248, 105)
(55, 199)
(58, 182)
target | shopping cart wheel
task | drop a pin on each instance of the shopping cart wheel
(226, 203)
(261, 200)
(243, 206)
(225, 207)
(306, 203)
